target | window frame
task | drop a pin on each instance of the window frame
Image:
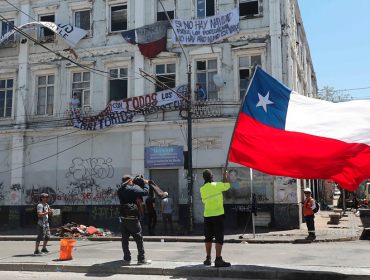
(81, 90)
(75, 7)
(6, 78)
(10, 16)
(207, 71)
(252, 49)
(90, 24)
(114, 63)
(260, 9)
(157, 5)
(111, 4)
(52, 37)
(196, 9)
(118, 78)
(46, 11)
(46, 93)
(165, 74)
(164, 60)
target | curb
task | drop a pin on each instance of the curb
(201, 271)
(176, 239)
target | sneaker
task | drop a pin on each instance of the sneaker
(144, 261)
(207, 261)
(126, 263)
(221, 263)
(45, 251)
(37, 252)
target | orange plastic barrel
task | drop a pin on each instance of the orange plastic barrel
(66, 248)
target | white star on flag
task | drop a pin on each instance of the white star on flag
(264, 100)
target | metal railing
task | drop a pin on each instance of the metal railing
(85, 112)
(206, 109)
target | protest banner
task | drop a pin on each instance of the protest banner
(71, 34)
(207, 30)
(131, 109)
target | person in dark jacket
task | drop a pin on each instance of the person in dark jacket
(130, 222)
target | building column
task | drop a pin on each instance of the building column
(139, 58)
(275, 36)
(137, 152)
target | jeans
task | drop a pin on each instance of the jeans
(152, 221)
(132, 227)
(310, 221)
(167, 217)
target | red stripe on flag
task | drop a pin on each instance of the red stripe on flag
(152, 49)
(298, 155)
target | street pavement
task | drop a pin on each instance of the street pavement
(324, 260)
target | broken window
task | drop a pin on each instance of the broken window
(206, 69)
(118, 18)
(6, 98)
(205, 8)
(118, 83)
(46, 34)
(45, 95)
(166, 73)
(245, 68)
(81, 86)
(248, 7)
(82, 20)
(169, 6)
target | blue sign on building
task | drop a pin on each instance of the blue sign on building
(164, 156)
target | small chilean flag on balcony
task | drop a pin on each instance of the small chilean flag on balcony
(151, 39)
(280, 132)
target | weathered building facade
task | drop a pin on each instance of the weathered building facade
(81, 170)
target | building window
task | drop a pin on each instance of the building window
(248, 7)
(82, 20)
(169, 6)
(206, 69)
(6, 98)
(166, 73)
(81, 86)
(45, 95)
(46, 34)
(245, 68)
(5, 28)
(205, 8)
(118, 18)
(118, 83)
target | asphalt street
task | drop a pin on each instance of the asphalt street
(339, 257)
(10, 275)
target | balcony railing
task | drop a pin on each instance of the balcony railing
(85, 112)
(8, 44)
(206, 109)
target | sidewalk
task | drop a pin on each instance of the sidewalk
(349, 228)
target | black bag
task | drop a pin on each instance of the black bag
(317, 207)
(130, 210)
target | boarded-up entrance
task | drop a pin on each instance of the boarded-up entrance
(168, 181)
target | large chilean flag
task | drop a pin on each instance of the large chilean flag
(280, 132)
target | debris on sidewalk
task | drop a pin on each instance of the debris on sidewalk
(75, 230)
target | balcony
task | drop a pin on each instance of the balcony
(85, 112)
(8, 44)
(206, 109)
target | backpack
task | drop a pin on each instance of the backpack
(317, 207)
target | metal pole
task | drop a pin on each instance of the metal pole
(254, 229)
(190, 160)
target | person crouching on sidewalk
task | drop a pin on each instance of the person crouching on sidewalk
(308, 206)
(214, 215)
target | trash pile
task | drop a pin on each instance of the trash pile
(76, 230)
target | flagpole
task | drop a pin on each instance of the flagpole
(240, 109)
(254, 229)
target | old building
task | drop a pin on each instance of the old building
(81, 170)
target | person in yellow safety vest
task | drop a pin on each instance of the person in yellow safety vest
(214, 215)
(308, 206)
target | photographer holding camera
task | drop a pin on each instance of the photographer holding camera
(130, 218)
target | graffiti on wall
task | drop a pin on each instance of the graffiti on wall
(84, 187)
(285, 190)
(32, 196)
(240, 186)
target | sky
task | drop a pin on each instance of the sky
(338, 34)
